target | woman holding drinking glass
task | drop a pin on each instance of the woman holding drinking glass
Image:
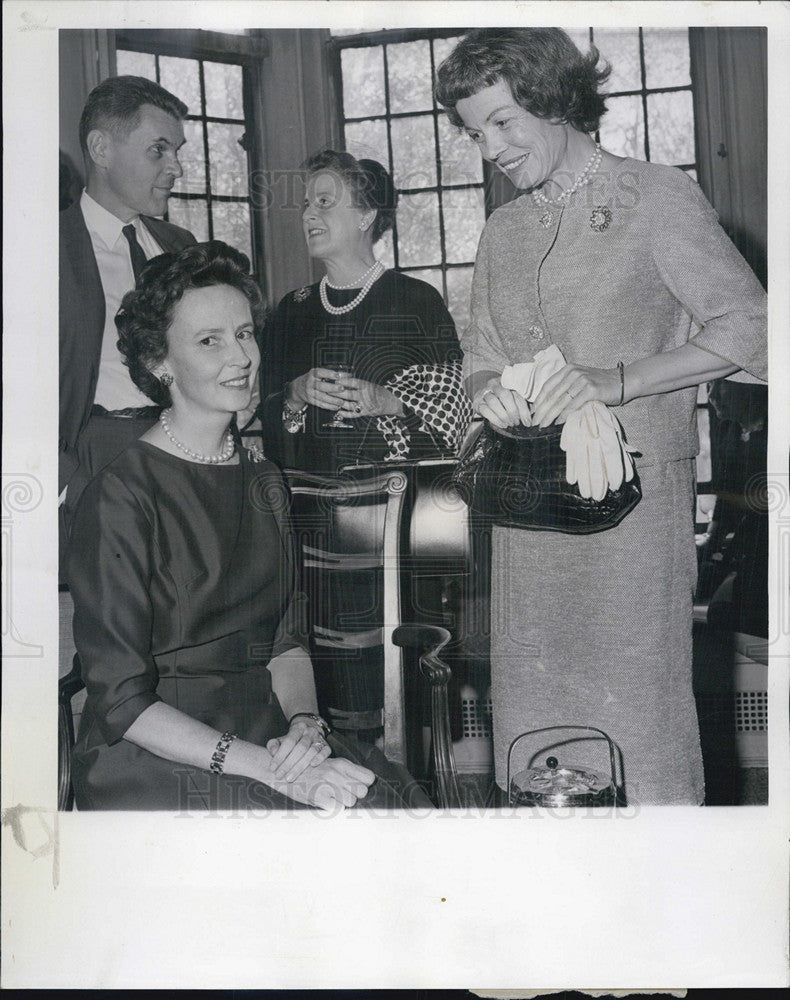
(363, 366)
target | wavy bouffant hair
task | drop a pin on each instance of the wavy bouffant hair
(146, 313)
(547, 74)
(370, 185)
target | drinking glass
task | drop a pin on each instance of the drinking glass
(338, 419)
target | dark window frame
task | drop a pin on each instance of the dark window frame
(335, 46)
(245, 51)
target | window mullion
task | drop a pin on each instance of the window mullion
(390, 153)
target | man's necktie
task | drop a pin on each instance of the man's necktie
(135, 250)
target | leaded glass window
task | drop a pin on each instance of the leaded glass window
(211, 199)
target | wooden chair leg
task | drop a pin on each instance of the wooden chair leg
(429, 641)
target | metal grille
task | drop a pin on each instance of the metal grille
(476, 718)
(738, 711)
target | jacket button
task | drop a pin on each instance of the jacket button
(536, 332)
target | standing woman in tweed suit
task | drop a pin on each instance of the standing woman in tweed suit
(623, 266)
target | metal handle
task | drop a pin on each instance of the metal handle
(548, 729)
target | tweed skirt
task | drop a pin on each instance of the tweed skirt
(595, 630)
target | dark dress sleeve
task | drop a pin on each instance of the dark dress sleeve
(109, 570)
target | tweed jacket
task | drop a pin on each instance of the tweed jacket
(635, 265)
(82, 324)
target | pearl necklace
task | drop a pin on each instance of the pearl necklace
(592, 165)
(227, 449)
(357, 281)
(375, 272)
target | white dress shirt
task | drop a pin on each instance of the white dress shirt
(114, 388)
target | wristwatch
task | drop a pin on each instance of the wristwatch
(322, 724)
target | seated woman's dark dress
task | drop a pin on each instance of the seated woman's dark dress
(183, 584)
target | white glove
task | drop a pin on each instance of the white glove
(597, 457)
(527, 377)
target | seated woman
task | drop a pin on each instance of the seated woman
(401, 395)
(182, 575)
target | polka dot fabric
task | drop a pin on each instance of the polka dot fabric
(435, 393)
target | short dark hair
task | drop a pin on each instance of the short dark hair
(146, 312)
(116, 102)
(370, 185)
(547, 74)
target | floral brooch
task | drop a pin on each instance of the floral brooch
(302, 293)
(600, 218)
(255, 453)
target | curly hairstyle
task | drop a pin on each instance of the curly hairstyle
(370, 185)
(116, 102)
(146, 312)
(546, 73)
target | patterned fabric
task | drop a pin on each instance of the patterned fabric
(435, 393)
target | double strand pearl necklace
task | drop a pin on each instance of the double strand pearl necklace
(357, 281)
(592, 165)
(372, 276)
(227, 449)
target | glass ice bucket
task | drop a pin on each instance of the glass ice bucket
(551, 782)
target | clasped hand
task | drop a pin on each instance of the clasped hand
(560, 395)
(303, 770)
(356, 397)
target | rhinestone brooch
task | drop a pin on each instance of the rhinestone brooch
(600, 218)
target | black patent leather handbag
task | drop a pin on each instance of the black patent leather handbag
(516, 478)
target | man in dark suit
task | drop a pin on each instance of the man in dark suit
(131, 131)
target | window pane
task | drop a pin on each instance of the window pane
(418, 230)
(192, 214)
(460, 158)
(363, 82)
(620, 47)
(368, 140)
(409, 67)
(580, 38)
(666, 57)
(228, 160)
(433, 276)
(232, 224)
(135, 64)
(223, 90)
(192, 159)
(413, 152)
(459, 287)
(623, 127)
(671, 118)
(464, 218)
(182, 78)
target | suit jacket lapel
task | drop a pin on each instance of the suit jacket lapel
(167, 236)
